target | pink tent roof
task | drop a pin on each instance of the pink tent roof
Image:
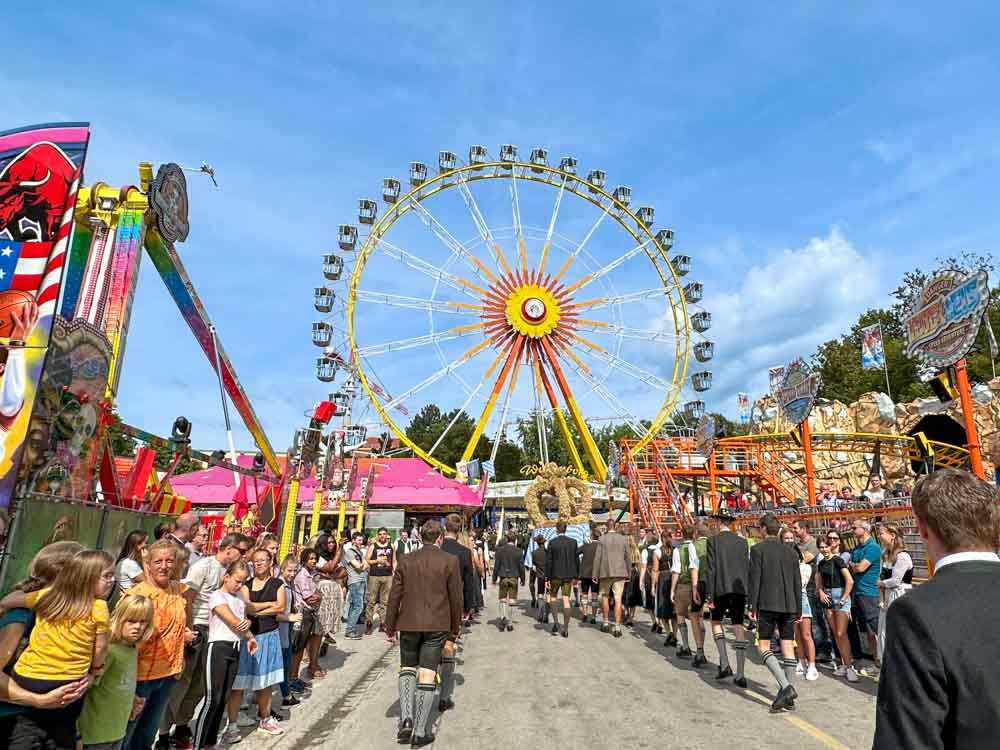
(410, 482)
(215, 485)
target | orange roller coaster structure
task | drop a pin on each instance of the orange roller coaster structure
(771, 463)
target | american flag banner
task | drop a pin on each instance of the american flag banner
(40, 170)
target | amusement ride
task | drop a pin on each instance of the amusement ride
(501, 289)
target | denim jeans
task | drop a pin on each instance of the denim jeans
(355, 605)
(141, 732)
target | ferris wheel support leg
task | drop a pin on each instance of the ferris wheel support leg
(512, 359)
(560, 419)
(589, 446)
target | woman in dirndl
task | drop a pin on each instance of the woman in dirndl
(896, 576)
(261, 671)
(329, 573)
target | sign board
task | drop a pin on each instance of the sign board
(391, 519)
(704, 435)
(168, 200)
(944, 320)
(798, 390)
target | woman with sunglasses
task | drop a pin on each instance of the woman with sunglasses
(833, 587)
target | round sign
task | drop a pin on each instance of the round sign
(798, 391)
(943, 321)
(168, 200)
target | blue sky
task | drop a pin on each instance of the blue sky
(805, 158)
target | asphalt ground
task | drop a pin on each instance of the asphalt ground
(529, 689)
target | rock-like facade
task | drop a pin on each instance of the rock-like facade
(876, 413)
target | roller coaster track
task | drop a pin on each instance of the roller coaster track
(655, 471)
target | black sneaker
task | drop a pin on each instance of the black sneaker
(618, 632)
(510, 628)
(445, 705)
(405, 731)
(291, 700)
(671, 640)
(502, 625)
(421, 741)
(565, 631)
(785, 700)
(699, 661)
(724, 673)
(279, 715)
(555, 629)
(741, 682)
(684, 653)
(605, 628)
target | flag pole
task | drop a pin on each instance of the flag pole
(885, 363)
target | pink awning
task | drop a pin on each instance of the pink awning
(403, 482)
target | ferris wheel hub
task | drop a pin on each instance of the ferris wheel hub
(532, 310)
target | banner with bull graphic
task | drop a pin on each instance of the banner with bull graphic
(40, 169)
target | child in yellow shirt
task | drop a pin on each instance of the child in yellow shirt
(69, 642)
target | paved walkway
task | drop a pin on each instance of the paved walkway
(528, 689)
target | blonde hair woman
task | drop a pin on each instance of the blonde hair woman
(896, 577)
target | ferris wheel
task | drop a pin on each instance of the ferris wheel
(504, 290)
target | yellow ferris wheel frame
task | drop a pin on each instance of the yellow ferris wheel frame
(582, 188)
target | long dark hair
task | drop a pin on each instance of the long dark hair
(321, 545)
(131, 545)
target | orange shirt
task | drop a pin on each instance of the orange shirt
(162, 655)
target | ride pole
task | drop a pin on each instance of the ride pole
(971, 433)
(713, 496)
(807, 459)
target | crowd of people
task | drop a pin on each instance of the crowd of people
(174, 646)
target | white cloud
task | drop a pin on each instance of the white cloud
(784, 308)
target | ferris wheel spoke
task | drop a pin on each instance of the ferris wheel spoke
(456, 247)
(620, 299)
(503, 411)
(609, 267)
(654, 381)
(482, 226)
(419, 303)
(543, 448)
(579, 248)
(433, 338)
(613, 401)
(458, 414)
(515, 207)
(464, 286)
(433, 378)
(552, 225)
(626, 332)
(513, 357)
(594, 456)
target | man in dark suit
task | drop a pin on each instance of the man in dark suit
(508, 568)
(775, 597)
(562, 568)
(727, 570)
(425, 607)
(939, 687)
(451, 545)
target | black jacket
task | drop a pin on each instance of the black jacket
(464, 555)
(538, 561)
(775, 581)
(939, 686)
(562, 559)
(587, 552)
(508, 562)
(727, 565)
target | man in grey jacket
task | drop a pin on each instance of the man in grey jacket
(611, 570)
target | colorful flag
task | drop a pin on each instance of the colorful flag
(743, 400)
(872, 349)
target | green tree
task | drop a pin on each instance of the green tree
(121, 444)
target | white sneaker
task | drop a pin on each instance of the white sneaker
(800, 669)
(811, 673)
(270, 726)
(246, 720)
(232, 735)
(852, 675)
(840, 671)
